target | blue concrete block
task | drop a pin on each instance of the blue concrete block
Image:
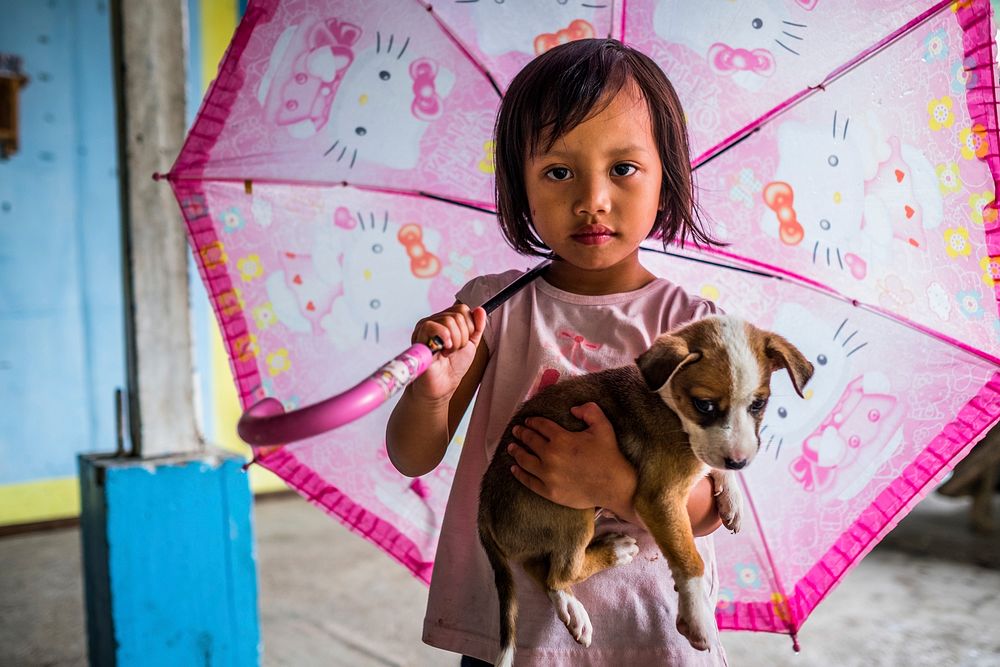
(169, 565)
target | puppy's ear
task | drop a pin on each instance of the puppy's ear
(783, 354)
(664, 358)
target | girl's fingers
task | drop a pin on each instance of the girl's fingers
(455, 327)
(462, 320)
(524, 458)
(546, 428)
(528, 480)
(458, 338)
(428, 329)
(530, 437)
(478, 318)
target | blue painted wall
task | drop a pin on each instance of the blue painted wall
(61, 330)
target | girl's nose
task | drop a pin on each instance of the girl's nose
(593, 197)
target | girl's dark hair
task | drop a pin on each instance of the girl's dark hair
(560, 89)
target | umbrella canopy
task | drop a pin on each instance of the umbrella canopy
(337, 186)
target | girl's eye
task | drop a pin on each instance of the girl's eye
(558, 173)
(623, 169)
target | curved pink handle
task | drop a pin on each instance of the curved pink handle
(266, 422)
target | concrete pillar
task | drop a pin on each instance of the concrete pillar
(169, 572)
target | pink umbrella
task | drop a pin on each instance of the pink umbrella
(337, 186)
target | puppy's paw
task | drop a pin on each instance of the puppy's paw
(574, 615)
(729, 499)
(620, 548)
(694, 615)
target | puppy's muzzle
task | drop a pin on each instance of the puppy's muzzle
(735, 464)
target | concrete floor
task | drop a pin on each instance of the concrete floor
(928, 595)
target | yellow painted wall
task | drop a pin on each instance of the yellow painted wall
(218, 21)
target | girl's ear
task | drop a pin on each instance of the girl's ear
(664, 358)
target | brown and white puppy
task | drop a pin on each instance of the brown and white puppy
(690, 404)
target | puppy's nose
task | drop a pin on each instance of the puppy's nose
(734, 464)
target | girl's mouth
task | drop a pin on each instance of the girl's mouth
(593, 235)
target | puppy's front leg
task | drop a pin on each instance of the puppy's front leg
(667, 520)
(728, 497)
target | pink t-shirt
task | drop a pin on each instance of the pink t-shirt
(540, 335)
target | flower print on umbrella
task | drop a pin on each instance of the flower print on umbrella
(748, 576)
(970, 305)
(232, 220)
(250, 267)
(726, 598)
(973, 142)
(245, 347)
(963, 77)
(957, 242)
(949, 180)
(278, 361)
(991, 270)
(978, 202)
(935, 46)
(940, 114)
(780, 606)
(264, 316)
(486, 165)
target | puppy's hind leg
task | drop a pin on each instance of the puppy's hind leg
(568, 608)
(559, 571)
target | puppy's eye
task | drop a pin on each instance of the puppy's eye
(758, 405)
(703, 406)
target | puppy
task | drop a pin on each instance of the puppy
(691, 404)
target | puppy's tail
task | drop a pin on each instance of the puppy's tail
(505, 593)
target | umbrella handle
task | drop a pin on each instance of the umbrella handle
(266, 423)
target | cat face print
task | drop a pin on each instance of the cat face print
(386, 273)
(304, 70)
(388, 97)
(817, 196)
(830, 346)
(533, 26)
(746, 42)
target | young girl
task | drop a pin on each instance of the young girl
(592, 159)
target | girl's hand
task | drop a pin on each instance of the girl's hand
(460, 329)
(586, 469)
(577, 469)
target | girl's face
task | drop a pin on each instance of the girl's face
(594, 197)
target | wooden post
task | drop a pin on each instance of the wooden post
(169, 572)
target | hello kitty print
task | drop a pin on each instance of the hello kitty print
(361, 276)
(374, 103)
(746, 42)
(862, 195)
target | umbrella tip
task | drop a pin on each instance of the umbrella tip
(795, 643)
(158, 176)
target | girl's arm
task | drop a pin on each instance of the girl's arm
(558, 470)
(423, 421)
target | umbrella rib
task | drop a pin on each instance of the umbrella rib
(790, 619)
(777, 272)
(461, 46)
(755, 125)
(721, 265)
